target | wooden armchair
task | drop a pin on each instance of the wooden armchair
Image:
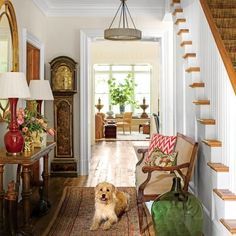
(151, 181)
(126, 121)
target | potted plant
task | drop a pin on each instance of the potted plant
(122, 93)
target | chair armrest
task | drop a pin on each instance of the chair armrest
(150, 169)
(142, 151)
(147, 169)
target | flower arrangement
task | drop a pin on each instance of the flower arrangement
(30, 124)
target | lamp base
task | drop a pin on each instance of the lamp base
(14, 142)
(14, 153)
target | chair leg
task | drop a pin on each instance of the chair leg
(140, 216)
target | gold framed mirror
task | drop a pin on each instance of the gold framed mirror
(9, 45)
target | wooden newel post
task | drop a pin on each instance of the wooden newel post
(11, 209)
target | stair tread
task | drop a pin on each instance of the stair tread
(177, 10)
(218, 167)
(183, 31)
(201, 102)
(197, 85)
(186, 43)
(223, 12)
(225, 22)
(190, 54)
(212, 142)
(225, 194)
(193, 69)
(207, 121)
(230, 224)
(180, 20)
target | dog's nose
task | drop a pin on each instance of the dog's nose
(103, 195)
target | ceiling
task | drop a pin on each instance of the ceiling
(154, 8)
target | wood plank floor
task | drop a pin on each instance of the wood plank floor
(111, 161)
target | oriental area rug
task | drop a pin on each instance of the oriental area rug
(76, 210)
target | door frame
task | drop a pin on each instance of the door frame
(166, 87)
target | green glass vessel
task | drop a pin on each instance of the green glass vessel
(177, 213)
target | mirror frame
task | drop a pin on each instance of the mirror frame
(11, 16)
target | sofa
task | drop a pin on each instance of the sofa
(151, 181)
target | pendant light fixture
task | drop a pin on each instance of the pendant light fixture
(123, 31)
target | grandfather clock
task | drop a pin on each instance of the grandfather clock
(63, 83)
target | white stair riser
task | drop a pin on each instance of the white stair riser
(223, 209)
(202, 111)
(192, 62)
(186, 36)
(187, 48)
(219, 229)
(206, 131)
(213, 154)
(220, 180)
(176, 5)
(181, 25)
(178, 15)
(199, 93)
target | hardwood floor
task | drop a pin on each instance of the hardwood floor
(111, 161)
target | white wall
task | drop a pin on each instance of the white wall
(61, 36)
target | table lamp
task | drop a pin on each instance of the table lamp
(13, 86)
(40, 90)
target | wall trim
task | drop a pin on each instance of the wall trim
(166, 86)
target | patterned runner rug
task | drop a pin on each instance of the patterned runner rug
(75, 213)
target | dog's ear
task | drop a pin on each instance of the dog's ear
(97, 187)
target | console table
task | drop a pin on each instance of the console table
(26, 160)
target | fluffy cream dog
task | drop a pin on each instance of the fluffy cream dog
(109, 205)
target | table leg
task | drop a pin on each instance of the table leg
(45, 176)
(26, 194)
(1, 198)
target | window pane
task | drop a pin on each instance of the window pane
(121, 68)
(142, 68)
(101, 84)
(143, 82)
(120, 77)
(101, 67)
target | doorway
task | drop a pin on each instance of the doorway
(166, 85)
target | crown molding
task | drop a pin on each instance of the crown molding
(95, 10)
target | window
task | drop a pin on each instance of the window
(141, 75)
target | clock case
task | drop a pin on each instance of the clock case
(64, 86)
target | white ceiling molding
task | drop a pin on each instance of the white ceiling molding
(63, 8)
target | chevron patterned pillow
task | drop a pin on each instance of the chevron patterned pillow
(165, 143)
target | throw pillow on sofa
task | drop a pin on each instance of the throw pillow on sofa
(158, 158)
(165, 143)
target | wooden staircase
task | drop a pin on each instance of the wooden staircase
(224, 13)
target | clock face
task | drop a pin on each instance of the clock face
(62, 78)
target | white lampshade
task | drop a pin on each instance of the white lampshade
(40, 90)
(13, 85)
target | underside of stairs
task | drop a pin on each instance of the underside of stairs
(224, 15)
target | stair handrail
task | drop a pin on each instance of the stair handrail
(220, 44)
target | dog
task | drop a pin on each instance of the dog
(109, 205)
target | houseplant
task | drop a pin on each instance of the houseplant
(122, 93)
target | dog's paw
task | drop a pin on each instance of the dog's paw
(106, 226)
